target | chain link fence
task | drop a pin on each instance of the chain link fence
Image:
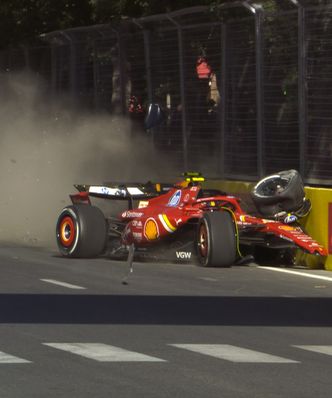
(244, 92)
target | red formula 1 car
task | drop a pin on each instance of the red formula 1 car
(185, 221)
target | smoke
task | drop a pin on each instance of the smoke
(45, 148)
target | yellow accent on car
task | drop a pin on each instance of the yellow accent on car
(168, 223)
(193, 176)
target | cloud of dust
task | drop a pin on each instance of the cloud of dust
(45, 148)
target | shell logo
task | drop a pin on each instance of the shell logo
(151, 230)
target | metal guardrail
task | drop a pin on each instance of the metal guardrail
(261, 104)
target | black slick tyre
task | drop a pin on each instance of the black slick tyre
(81, 231)
(283, 191)
(217, 239)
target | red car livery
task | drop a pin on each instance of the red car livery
(186, 221)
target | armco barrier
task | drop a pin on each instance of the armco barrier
(317, 224)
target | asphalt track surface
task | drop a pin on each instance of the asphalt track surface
(70, 328)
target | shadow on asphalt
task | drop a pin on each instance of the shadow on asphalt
(165, 310)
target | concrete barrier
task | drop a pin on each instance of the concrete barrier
(318, 223)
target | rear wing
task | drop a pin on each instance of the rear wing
(120, 191)
(130, 191)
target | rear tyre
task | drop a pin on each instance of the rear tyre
(81, 231)
(217, 239)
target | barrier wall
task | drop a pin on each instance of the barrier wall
(317, 224)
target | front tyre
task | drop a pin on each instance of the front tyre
(217, 239)
(81, 231)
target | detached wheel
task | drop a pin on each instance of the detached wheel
(81, 231)
(283, 191)
(217, 240)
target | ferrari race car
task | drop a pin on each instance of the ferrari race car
(185, 221)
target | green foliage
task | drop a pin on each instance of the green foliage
(24, 20)
(106, 10)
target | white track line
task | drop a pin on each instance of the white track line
(63, 284)
(6, 358)
(321, 349)
(233, 353)
(304, 274)
(103, 352)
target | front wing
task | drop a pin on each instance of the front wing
(274, 234)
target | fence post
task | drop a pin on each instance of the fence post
(146, 36)
(122, 61)
(302, 89)
(122, 70)
(147, 58)
(183, 100)
(72, 64)
(259, 93)
(258, 11)
(26, 57)
(182, 93)
(223, 97)
(95, 76)
(302, 85)
(73, 71)
(53, 69)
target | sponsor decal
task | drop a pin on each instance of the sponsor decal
(151, 230)
(131, 214)
(166, 223)
(137, 236)
(136, 223)
(183, 255)
(143, 203)
(287, 228)
(290, 218)
(194, 189)
(242, 218)
(175, 199)
(134, 191)
(186, 198)
(102, 190)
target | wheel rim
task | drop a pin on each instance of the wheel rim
(203, 241)
(67, 231)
